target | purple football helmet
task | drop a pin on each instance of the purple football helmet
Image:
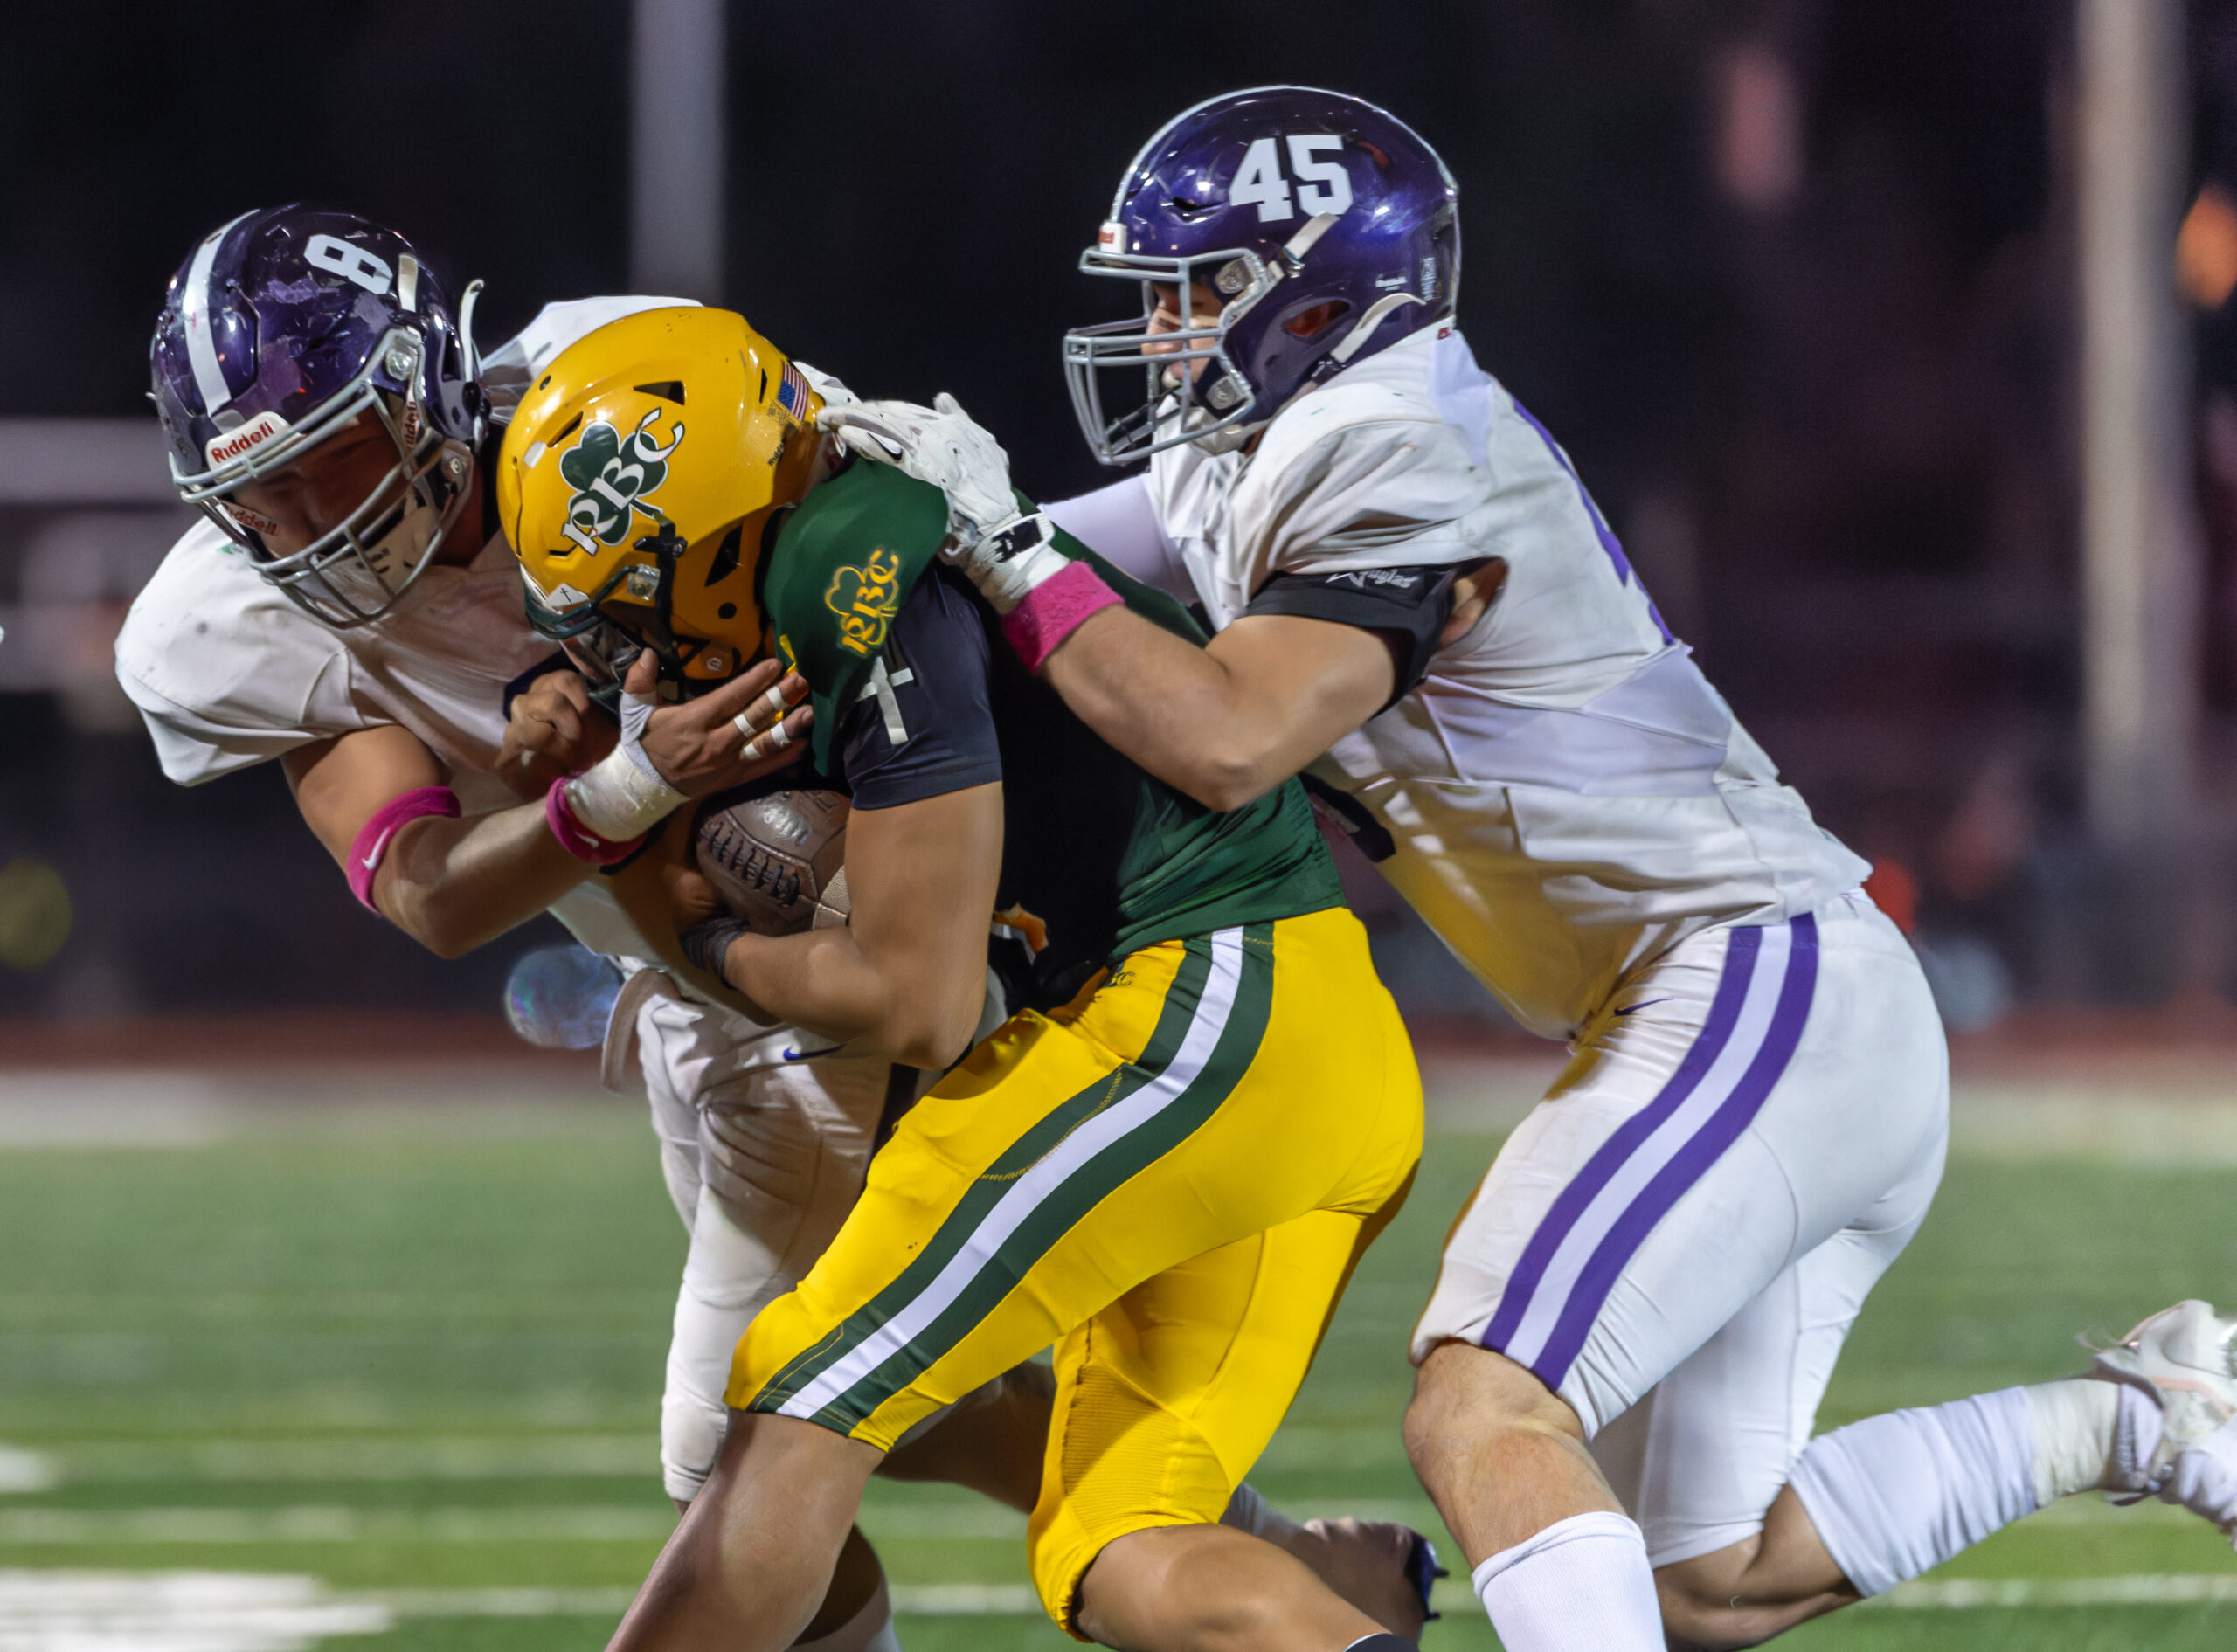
(280, 329)
(1328, 229)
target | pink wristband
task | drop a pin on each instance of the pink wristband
(373, 838)
(576, 838)
(1053, 610)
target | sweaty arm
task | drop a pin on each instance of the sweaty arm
(906, 976)
(453, 884)
(449, 884)
(1312, 658)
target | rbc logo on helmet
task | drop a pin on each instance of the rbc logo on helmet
(612, 475)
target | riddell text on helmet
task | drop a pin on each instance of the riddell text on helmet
(230, 445)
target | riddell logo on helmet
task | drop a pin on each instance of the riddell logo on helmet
(228, 446)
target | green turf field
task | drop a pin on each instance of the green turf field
(404, 1369)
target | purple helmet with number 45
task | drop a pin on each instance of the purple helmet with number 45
(1324, 227)
(286, 327)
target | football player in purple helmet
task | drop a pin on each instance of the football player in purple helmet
(326, 410)
(1233, 205)
(293, 330)
(350, 611)
(1418, 603)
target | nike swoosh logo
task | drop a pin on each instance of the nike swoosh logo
(381, 842)
(1633, 1009)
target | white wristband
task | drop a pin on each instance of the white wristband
(619, 799)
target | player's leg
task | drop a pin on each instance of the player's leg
(1640, 1209)
(1193, 1371)
(993, 1441)
(780, 1155)
(750, 1562)
(1881, 1501)
(1208, 1093)
(1703, 1461)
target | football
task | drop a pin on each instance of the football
(778, 861)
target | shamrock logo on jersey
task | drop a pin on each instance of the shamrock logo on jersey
(865, 599)
(613, 474)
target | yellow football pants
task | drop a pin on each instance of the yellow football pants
(1169, 1180)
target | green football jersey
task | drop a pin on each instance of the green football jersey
(1106, 857)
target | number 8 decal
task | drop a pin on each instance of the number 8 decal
(366, 269)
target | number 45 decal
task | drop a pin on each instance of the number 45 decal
(1323, 186)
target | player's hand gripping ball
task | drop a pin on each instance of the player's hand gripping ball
(778, 861)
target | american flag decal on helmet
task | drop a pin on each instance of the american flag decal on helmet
(791, 393)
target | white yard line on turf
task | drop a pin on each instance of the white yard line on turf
(2143, 1589)
(323, 1523)
(337, 1522)
(22, 1471)
(372, 1458)
(176, 1611)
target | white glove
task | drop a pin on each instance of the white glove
(2203, 1480)
(1002, 549)
(834, 393)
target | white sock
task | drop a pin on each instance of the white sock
(1582, 1585)
(2077, 1431)
(869, 1630)
(1896, 1495)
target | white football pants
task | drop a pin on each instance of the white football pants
(764, 1161)
(1678, 1237)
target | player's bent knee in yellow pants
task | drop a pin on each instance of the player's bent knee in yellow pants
(1169, 1180)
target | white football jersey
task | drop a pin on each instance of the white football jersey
(1567, 794)
(228, 673)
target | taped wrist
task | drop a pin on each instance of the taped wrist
(1014, 561)
(1055, 609)
(707, 944)
(619, 798)
(374, 837)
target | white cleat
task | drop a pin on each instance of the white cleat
(2183, 1358)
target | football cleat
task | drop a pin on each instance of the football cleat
(2182, 1357)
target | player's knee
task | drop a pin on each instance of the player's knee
(1162, 1584)
(1465, 1397)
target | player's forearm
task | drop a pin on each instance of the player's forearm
(914, 1009)
(453, 884)
(1172, 708)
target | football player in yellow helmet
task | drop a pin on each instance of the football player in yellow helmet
(1166, 1165)
(637, 542)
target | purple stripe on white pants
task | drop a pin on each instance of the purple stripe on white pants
(1605, 1213)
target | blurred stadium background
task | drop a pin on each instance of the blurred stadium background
(1894, 337)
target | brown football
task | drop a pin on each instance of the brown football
(778, 861)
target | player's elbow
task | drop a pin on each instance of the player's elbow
(445, 933)
(1233, 773)
(449, 941)
(932, 1048)
(934, 1031)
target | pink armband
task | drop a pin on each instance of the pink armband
(576, 838)
(371, 847)
(1053, 610)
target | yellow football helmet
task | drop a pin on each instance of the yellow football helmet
(637, 479)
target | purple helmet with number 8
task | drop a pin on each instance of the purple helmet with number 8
(284, 328)
(1324, 227)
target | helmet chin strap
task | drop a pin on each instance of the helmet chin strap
(1367, 324)
(472, 351)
